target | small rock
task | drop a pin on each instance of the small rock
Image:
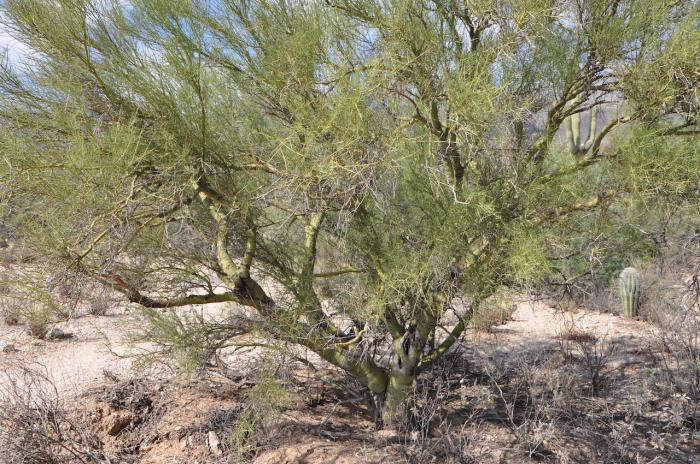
(214, 443)
(58, 334)
(118, 421)
(98, 413)
(9, 348)
(186, 442)
(11, 319)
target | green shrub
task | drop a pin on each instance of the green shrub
(263, 405)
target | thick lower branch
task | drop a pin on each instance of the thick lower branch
(248, 293)
(444, 346)
(452, 337)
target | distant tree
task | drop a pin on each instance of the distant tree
(399, 156)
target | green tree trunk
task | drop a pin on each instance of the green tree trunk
(402, 375)
(394, 408)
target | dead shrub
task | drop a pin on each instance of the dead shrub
(605, 298)
(526, 398)
(26, 299)
(9, 310)
(427, 434)
(76, 289)
(15, 253)
(678, 336)
(97, 299)
(671, 301)
(262, 406)
(99, 306)
(39, 318)
(592, 353)
(595, 358)
(425, 413)
(36, 428)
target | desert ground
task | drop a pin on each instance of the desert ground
(589, 375)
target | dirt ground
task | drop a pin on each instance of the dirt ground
(163, 420)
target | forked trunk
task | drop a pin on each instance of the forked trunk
(392, 404)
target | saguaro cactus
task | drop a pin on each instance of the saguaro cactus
(630, 291)
(577, 146)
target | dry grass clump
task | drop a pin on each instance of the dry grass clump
(26, 297)
(15, 253)
(37, 315)
(9, 311)
(39, 318)
(678, 339)
(99, 305)
(262, 406)
(494, 311)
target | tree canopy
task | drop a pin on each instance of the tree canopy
(352, 170)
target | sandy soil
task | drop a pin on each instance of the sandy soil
(97, 342)
(535, 325)
(78, 362)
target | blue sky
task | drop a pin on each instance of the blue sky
(15, 50)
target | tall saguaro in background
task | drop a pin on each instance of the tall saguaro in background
(573, 132)
(400, 155)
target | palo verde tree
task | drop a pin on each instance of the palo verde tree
(349, 170)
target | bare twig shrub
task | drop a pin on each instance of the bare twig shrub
(542, 393)
(98, 300)
(10, 311)
(99, 305)
(678, 335)
(591, 352)
(428, 434)
(39, 318)
(671, 300)
(595, 357)
(12, 305)
(36, 428)
(529, 398)
(15, 253)
(28, 297)
(78, 290)
(425, 414)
